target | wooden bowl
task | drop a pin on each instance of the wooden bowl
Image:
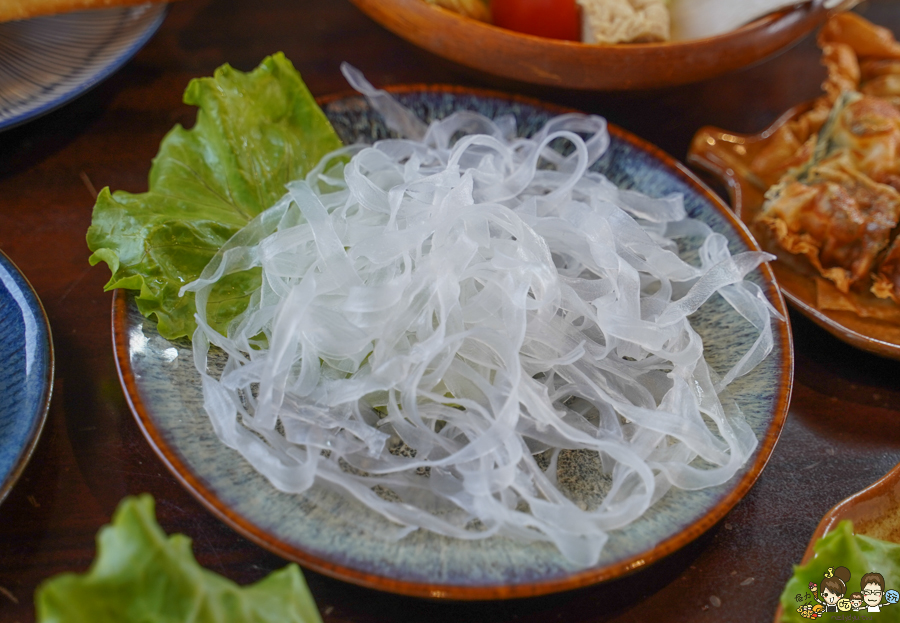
(574, 65)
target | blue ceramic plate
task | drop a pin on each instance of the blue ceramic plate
(26, 372)
(47, 61)
(333, 535)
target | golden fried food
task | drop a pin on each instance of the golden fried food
(838, 218)
(836, 168)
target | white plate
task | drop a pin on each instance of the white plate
(47, 61)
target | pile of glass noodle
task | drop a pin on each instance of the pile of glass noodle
(442, 318)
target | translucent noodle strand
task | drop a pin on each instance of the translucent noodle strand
(442, 320)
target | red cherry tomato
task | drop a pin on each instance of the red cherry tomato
(557, 19)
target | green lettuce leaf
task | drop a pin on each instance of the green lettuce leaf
(140, 575)
(842, 548)
(254, 133)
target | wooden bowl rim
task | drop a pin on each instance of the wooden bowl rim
(530, 59)
(758, 24)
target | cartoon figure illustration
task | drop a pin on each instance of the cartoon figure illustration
(810, 611)
(829, 594)
(872, 585)
(834, 585)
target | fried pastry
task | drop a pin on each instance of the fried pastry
(839, 218)
(837, 200)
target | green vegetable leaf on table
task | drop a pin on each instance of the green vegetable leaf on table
(141, 575)
(254, 133)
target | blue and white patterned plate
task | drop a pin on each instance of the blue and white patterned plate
(47, 61)
(26, 372)
(334, 535)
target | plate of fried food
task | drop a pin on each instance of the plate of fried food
(819, 188)
(54, 51)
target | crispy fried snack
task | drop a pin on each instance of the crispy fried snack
(859, 56)
(839, 218)
(837, 166)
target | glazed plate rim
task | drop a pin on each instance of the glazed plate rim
(38, 416)
(176, 463)
(154, 13)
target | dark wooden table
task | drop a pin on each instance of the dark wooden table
(842, 434)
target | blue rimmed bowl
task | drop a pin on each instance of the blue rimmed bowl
(26, 372)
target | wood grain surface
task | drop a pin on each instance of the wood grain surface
(842, 433)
